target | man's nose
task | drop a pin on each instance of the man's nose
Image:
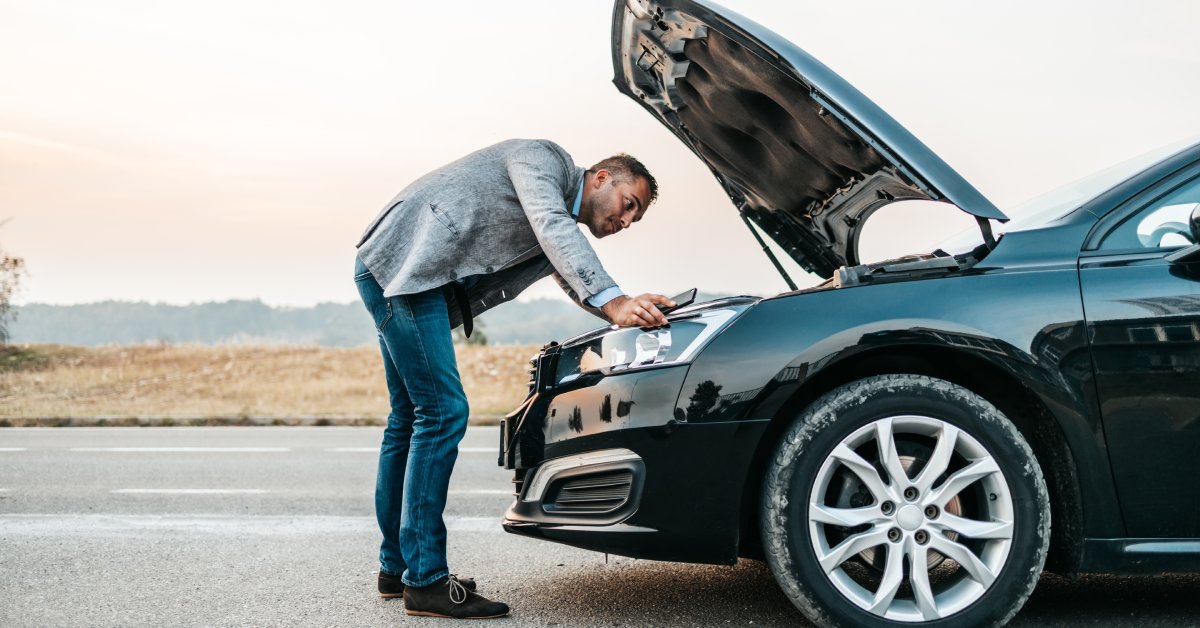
(625, 222)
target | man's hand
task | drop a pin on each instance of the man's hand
(637, 311)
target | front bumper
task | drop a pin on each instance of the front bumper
(607, 466)
(684, 500)
(582, 500)
(577, 457)
(605, 458)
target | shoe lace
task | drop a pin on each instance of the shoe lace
(458, 592)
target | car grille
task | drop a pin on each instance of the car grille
(601, 492)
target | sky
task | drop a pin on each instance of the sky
(235, 149)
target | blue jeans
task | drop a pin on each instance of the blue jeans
(427, 421)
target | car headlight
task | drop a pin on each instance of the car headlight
(651, 347)
(615, 350)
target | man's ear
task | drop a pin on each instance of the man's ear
(600, 177)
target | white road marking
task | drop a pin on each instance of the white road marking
(13, 448)
(375, 450)
(114, 429)
(474, 524)
(237, 450)
(193, 491)
(92, 525)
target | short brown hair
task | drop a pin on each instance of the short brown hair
(627, 168)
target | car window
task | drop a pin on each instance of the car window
(1059, 202)
(1161, 224)
(1166, 226)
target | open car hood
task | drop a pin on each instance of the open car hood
(802, 154)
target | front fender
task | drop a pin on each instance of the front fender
(1027, 326)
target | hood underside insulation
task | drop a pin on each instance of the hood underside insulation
(762, 130)
(803, 155)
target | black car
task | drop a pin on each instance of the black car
(910, 441)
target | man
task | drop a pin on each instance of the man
(453, 244)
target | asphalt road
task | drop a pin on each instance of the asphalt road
(274, 526)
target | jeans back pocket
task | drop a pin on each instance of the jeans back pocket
(378, 306)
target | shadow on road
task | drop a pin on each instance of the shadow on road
(1103, 600)
(637, 593)
(629, 592)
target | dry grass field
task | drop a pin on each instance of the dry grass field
(191, 383)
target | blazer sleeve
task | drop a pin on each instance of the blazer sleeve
(595, 311)
(539, 176)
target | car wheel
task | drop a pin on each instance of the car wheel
(904, 499)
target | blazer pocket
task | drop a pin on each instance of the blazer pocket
(443, 218)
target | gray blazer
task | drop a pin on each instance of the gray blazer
(501, 213)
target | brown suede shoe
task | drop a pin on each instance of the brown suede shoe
(392, 586)
(449, 597)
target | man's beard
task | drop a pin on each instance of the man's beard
(592, 211)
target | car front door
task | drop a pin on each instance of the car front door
(1143, 321)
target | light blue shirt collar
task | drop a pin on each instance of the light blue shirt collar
(578, 199)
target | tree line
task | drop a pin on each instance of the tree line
(327, 324)
(252, 321)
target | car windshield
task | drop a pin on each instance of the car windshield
(1059, 202)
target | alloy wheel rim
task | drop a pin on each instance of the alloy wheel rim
(908, 519)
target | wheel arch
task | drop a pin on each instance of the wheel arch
(981, 376)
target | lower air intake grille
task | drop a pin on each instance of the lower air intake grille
(599, 492)
(518, 482)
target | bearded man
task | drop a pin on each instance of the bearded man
(453, 244)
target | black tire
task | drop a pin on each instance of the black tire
(830, 425)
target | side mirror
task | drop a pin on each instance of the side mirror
(1189, 253)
